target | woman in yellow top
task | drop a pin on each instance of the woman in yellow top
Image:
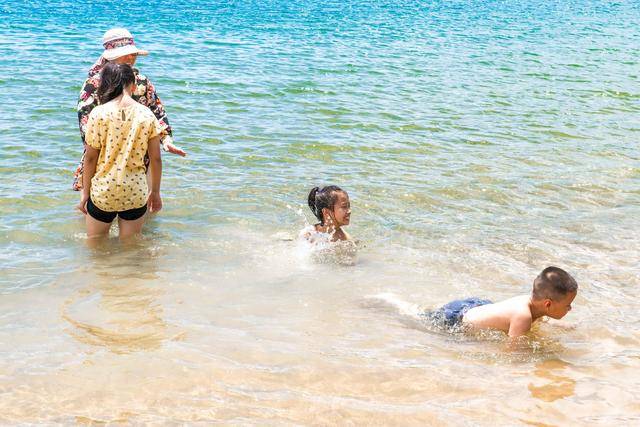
(120, 131)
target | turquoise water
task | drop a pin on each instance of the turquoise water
(480, 141)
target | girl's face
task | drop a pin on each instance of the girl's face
(341, 212)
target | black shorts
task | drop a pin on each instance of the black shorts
(108, 217)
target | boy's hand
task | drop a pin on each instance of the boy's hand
(560, 324)
(154, 202)
(82, 206)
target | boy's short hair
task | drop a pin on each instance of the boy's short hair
(553, 283)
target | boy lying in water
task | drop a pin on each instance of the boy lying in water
(553, 292)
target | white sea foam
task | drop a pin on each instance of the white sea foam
(404, 308)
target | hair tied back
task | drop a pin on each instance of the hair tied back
(323, 198)
(312, 200)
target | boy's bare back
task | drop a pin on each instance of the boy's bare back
(512, 316)
(552, 294)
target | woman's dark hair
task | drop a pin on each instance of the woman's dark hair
(113, 79)
(323, 198)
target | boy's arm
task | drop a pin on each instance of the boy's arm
(519, 325)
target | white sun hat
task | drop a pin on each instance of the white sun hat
(118, 42)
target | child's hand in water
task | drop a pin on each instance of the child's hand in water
(154, 202)
(560, 324)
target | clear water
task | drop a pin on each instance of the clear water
(480, 141)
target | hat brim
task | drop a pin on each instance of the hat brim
(111, 54)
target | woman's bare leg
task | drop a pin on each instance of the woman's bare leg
(130, 228)
(96, 229)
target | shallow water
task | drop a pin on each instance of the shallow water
(479, 142)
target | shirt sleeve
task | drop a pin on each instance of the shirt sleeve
(87, 101)
(92, 136)
(157, 108)
(155, 129)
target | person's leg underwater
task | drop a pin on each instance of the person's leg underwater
(96, 230)
(129, 228)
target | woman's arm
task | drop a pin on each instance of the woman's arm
(157, 108)
(87, 101)
(155, 165)
(90, 161)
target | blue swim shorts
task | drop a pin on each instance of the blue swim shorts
(451, 314)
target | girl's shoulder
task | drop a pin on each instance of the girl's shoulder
(141, 109)
(311, 234)
(99, 111)
(143, 113)
(307, 232)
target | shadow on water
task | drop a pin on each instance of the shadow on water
(557, 386)
(118, 307)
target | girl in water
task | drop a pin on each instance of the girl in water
(120, 131)
(332, 208)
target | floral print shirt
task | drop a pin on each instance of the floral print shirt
(145, 94)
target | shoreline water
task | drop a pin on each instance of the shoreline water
(478, 144)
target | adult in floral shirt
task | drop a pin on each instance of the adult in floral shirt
(120, 48)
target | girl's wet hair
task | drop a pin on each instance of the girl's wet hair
(325, 197)
(113, 79)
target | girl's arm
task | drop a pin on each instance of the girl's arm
(90, 161)
(155, 165)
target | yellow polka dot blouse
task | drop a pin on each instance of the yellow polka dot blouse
(122, 136)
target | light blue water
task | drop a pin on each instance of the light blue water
(479, 141)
